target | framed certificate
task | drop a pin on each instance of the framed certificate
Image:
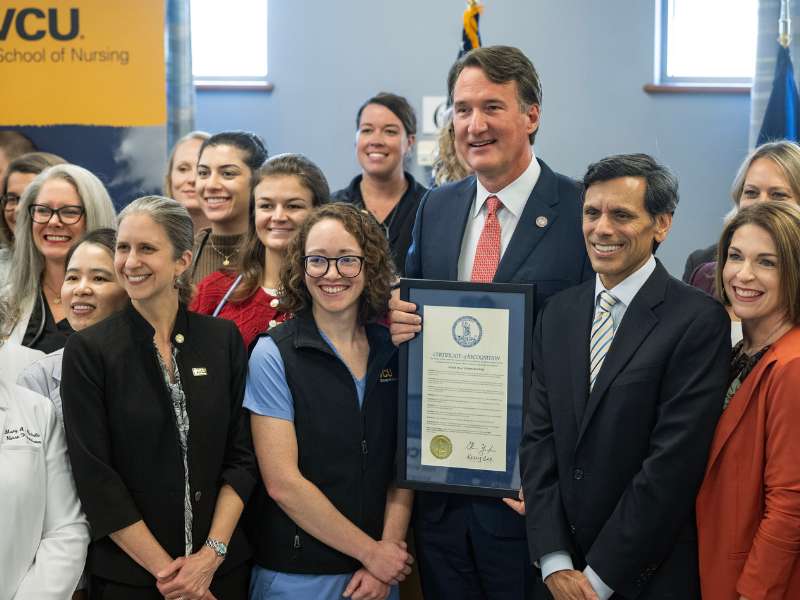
(464, 381)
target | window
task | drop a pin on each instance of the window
(229, 42)
(708, 41)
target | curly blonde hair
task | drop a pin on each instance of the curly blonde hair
(448, 165)
(378, 268)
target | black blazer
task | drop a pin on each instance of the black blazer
(547, 249)
(123, 443)
(611, 477)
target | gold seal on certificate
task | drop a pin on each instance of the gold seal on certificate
(441, 446)
(465, 387)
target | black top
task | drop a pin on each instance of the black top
(43, 333)
(123, 443)
(346, 451)
(398, 223)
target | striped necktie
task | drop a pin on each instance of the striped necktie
(602, 335)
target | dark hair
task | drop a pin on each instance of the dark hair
(15, 143)
(781, 220)
(32, 163)
(502, 64)
(252, 146)
(253, 255)
(378, 270)
(399, 107)
(104, 236)
(661, 194)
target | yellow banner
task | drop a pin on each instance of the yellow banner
(82, 62)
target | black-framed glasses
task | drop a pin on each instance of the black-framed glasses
(347, 266)
(68, 215)
(9, 202)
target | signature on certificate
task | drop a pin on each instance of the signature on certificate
(480, 452)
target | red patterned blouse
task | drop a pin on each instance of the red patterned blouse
(252, 316)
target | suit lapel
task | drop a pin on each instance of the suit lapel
(527, 234)
(736, 408)
(461, 214)
(578, 328)
(638, 322)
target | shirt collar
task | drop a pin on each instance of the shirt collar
(627, 289)
(515, 194)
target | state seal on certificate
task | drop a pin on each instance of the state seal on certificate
(464, 381)
(467, 331)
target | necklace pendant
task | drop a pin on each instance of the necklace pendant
(57, 300)
(226, 262)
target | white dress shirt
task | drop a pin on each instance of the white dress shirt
(624, 292)
(513, 197)
(45, 535)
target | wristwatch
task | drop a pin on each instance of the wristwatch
(218, 547)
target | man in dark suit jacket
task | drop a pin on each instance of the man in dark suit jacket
(629, 379)
(474, 547)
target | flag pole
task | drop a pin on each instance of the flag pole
(785, 24)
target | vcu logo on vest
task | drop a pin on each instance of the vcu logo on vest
(387, 376)
(32, 24)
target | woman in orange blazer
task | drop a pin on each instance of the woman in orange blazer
(748, 508)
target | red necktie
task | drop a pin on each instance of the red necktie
(487, 254)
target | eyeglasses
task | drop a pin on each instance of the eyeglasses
(10, 202)
(346, 266)
(68, 215)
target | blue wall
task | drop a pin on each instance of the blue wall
(593, 57)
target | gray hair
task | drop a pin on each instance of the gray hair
(7, 319)
(27, 263)
(31, 163)
(177, 223)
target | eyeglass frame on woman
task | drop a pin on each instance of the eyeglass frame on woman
(55, 211)
(336, 260)
(12, 199)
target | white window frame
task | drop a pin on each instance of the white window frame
(662, 41)
(235, 82)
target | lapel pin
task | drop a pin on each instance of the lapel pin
(541, 221)
(199, 371)
(179, 338)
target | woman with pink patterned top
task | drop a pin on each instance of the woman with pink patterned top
(286, 188)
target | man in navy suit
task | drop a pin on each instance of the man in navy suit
(514, 221)
(629, 381)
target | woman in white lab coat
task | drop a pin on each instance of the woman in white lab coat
(44, 532)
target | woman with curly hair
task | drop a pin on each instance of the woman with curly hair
(322, 392)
